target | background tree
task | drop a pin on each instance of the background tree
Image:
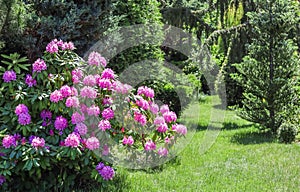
(13, 20)
(268, 73)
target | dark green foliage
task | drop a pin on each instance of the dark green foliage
(269, 73)
(287, 132)
(13, 19)
(134, 12)
(81, 22)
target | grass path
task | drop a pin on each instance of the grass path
(241, 159)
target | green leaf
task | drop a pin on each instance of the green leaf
(23, 67)
(6, 62)
(12, 154)
(17, 69)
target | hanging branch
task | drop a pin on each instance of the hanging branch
(217, 33)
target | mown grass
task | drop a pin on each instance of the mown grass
(241, 159)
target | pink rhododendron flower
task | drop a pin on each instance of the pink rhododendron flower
(72, 102)
(59, 43)
(89, 80)
(169, 139)
(162, 151)
(108, 113)
(74, 91)
(181, 129)
(77, 118)
(60, 123)
(107, 101)
(138, 117)
(9, 76)
(88, 92)
(104, 83)
(121, 88)
(67, 46)
(107, 74)
(142, 103)
(21, 108)
(97, 77)
(164, 109)
(37, 142)
(92, 143)
(39, 65)
(78, 73)
(154, 108)
(96, 59)
(93, 110)
(24, 119)
(159, 120)
(128, 141)
(72, 140)
(81, 128)
(104, 125)
(162, 128)
(170, 116)
(150, 146)
(65, 91)
(52, 47)
(56, 96)
(146, 91)
(30, 81)
(9, 141)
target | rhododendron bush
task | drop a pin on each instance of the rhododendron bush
(67, 120)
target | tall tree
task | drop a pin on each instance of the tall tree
(268, 73)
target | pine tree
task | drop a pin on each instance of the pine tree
(269, 72)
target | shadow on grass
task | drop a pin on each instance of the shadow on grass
(233, 126)
(252, 137)
(173, 161)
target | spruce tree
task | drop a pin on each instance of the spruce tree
(268, 73)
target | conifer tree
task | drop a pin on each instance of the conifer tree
(268, 73)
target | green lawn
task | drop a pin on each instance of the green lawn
(241, 159)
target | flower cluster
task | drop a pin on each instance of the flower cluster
(60, 123)
(39, 65)
(146, 91)
(9, 141)
(54, 45)
(92, 143)
(38, 142)
(106, 172)
(30, 81)
(9, 76)
(24, 117)
(96, 59)
(73, 140)
(128, 141)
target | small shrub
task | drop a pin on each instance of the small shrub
(287, 133)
